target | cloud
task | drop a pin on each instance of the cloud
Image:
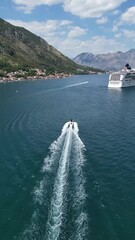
(51, 28)
(92, 8)
(129, 33)
(118, 35)
(126, 18)
(76, 32)
(29, 5)
(80, 8)
(116, 12)
(67, 38)
(129, 16)
(95, 45)
(102, 44)
(102, 20)
(115, 27)
(44, 28)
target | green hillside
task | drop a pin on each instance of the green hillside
(21, 49)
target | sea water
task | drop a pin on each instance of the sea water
(57, 183)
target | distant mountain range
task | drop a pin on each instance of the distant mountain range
(110, 61)
(21, 49)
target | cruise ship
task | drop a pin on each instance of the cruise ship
(122, 78)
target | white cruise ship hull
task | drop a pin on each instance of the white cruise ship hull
(121, 84)
(121, 79)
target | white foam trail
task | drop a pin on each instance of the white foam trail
(59, 193)
(65, 158)
(72, 143)
(69, 86)
(54, 149)
(50, 160)
(75, 84)
(65, 127)
(79, 195)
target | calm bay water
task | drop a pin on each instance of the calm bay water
(67, 191)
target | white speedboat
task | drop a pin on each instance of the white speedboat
(122, 78)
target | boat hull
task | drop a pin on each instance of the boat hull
(121, 84)
(122, 78)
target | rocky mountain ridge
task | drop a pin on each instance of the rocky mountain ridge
(107, 62)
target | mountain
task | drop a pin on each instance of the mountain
(110, 61)
(21, 49)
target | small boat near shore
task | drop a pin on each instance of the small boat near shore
(122, 78)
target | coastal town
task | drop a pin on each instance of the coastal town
(33, 74)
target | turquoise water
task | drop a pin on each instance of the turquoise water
(65, 184)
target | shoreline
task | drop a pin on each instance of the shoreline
(38, 77)
(19, 79)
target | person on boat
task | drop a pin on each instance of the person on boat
(71, 123)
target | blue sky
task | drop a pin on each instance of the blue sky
(76, 26)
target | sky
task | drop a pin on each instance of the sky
(76, 26)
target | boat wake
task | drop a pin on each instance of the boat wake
(75, 84)
(60, 197)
